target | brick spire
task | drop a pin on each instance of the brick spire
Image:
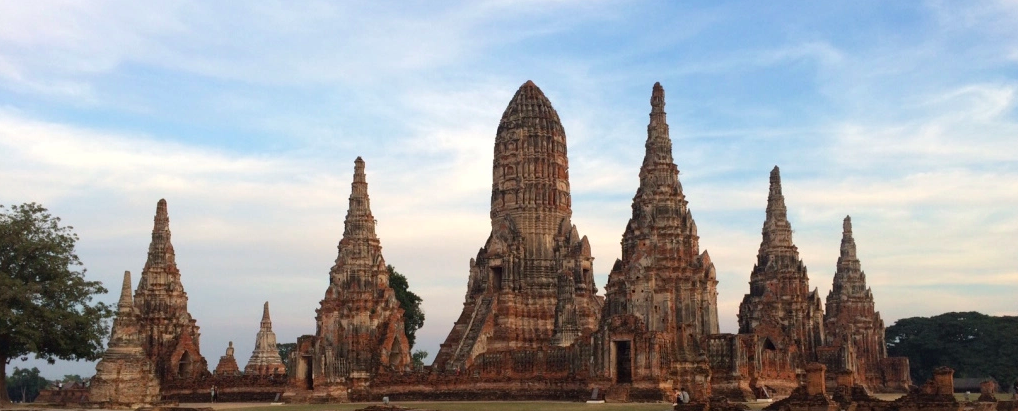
(848, 262)
(359, 222)
(124, 338)
(126, 303)
(777, 231)
(162, 307)
(659, 176)
(851, 314)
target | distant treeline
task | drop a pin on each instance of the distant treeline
(975, 345)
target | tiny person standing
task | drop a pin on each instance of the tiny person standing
(213, 392)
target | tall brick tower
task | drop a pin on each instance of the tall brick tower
(780, 307)
(531, 284)
(851, 316)
(360, 322)
(170, 335)
(661, 297)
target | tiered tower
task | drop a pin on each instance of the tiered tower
(780, 308)
(360, 322)
(265, 359)
(531, 285)
(170, 335)
(125, 377)
(851, 317)
(661, 297)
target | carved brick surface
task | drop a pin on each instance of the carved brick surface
(531, 285)
(780, 307)
(170, 335)
(662, 281)
(360, 323)
(125, 377)
(851, 317)
(265, 359)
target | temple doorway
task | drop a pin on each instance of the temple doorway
(496, 279)
(184, 366)
(309, 372)
(623, 362)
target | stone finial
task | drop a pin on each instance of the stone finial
(265, 316)
(162, 218)
(126, 303)
(229, 350)
(848, 259)
(657, 100)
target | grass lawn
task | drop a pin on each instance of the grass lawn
(487, 405)
(478, 405)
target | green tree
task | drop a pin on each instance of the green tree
(413, 315)
(975, 345)
(46, 304)
(25, 384)
(417, 358)
(284, 353)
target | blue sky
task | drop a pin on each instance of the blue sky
(247, 116)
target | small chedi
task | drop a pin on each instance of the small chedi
(125, 377)
(531, 286)
(661, 297)
(227, 365)
(360, 323)
(169, 335)
(265, 359)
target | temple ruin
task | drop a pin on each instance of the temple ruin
(169, 335)
(781, 311)
(125, 377)
(855, 328)
(532, 325)
(531, 287)
(360, 322)
(661, 297)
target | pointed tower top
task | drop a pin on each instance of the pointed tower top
(657, 99)
(126, 303)
(848, 255)
(777, 232)
(658, 174)
(162, 218)
(265, 312)
(359, 221)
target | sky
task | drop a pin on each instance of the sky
(247, 117)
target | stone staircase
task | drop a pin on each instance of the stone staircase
(477, 321)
